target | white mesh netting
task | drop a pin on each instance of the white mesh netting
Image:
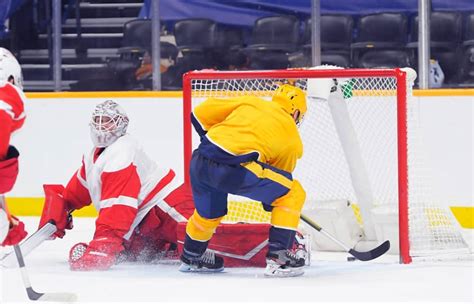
(324, 169)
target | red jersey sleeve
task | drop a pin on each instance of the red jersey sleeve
(6, 124)
(76, 193)
(12, 103)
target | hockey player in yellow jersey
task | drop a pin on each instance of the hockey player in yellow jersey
(249, 147)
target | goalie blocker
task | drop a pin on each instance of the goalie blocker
(244, 244)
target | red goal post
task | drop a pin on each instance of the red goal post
(369, 86)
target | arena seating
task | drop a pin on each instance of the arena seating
(467, 62)
(111, 40)
(336, 38)
(228, 47)
(380, 41)
(375, 40)
(136, 36)
(273, 38)
(446, 35)
(195, 36)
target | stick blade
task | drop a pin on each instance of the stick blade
(58, 297)
(372, 254)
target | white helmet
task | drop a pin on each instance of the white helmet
(109, 122)
(10, 68)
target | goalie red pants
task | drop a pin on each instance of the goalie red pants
(156, 236)
(157, 232)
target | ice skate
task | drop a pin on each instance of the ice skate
(208, 262)
(284, 263)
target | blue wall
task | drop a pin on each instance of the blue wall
(244, 12)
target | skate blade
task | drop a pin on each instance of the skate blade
(188, 268)
(283, 273)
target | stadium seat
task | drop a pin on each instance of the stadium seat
(445, 40)
(228, 48)
(136, 37)
(336, 38)
(273, 38)
(384, 59)
(445, 30)
(381, 41)
(137, 40)
(469, 32)
(196, 39)
(467, 66)
(195, 35)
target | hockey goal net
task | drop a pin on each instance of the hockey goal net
(363, 148)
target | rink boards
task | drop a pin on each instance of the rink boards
(56, 134)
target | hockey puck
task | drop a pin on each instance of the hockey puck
(351, 259)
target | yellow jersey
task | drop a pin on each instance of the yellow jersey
(247, 128)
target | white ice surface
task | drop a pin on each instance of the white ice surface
(328, 280)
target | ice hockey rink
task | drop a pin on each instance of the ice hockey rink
(330, 278)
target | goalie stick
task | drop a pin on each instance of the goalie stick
(33, 295)
(360, 255)
(28, 245)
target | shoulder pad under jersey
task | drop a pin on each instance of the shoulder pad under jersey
(121, 153)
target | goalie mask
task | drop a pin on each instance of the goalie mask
(109, 122)
(291, 99)
(10, 68)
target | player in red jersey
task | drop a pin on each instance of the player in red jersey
(12, 117)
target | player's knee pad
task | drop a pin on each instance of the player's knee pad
(200, 228)
(287, 209)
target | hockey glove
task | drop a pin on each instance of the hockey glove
(56, 210)
(98, 255)
(16, 233)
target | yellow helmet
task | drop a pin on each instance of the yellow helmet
(291, 98)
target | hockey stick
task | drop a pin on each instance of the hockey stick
(28, 245)
(360, 255)
(33, 295)
(38, 296)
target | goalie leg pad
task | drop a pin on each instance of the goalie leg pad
(241, 245)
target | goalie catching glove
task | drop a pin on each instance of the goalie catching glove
(56, 210)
